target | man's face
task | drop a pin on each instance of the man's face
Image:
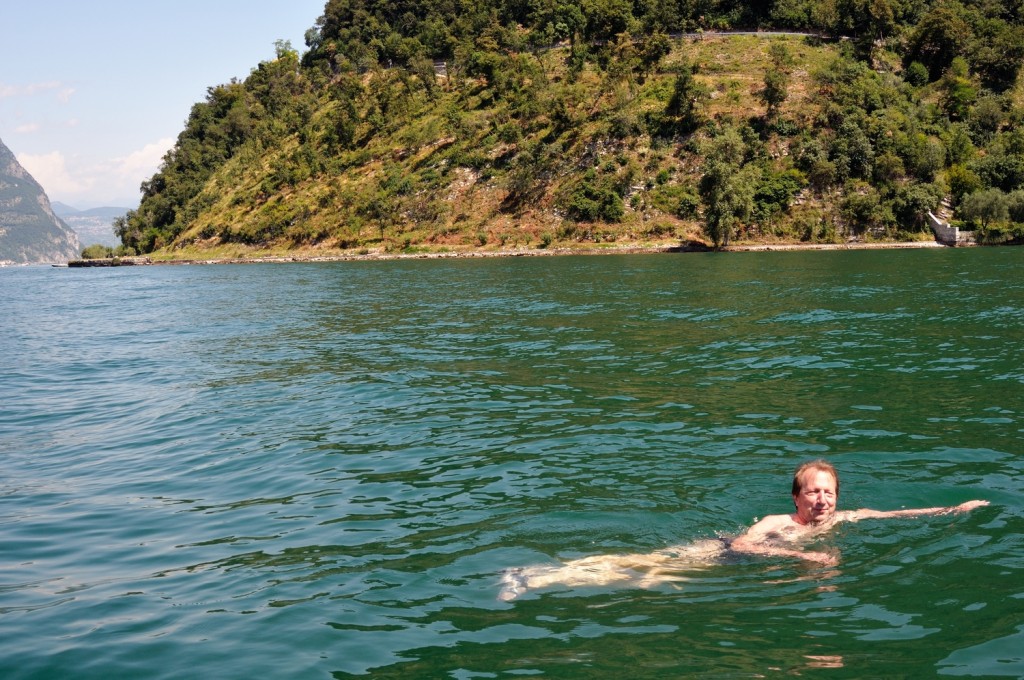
(816, 501)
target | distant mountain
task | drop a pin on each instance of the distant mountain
(62, 210)
(29, 229)
(92, 226)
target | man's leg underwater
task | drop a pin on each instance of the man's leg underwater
(642, 570)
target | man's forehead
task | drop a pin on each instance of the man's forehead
(810, 476)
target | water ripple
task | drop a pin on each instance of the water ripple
(321, 470)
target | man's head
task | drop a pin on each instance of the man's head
(815, 492)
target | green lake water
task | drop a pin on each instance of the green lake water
(321, 470)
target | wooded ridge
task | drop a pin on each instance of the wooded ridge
(487, 125)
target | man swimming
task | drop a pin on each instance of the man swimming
(815, 495)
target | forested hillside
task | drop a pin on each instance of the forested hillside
(539, 122)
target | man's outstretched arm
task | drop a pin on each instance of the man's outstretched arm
(866, 513)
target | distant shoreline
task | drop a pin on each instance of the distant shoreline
(837, 246)
(512, 252)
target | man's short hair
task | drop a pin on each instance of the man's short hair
(820, 464)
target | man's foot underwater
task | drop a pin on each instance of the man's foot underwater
(514, 584)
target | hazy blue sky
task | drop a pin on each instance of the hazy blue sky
(93, 93)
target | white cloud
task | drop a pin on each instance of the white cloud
(113, 181)
(32, 89)
(141, 164)
(51, 171)
(42, 87)
(27, 128)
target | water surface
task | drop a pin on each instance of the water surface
(319, 470)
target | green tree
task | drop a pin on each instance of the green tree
(795, 14)
(959, 147)
(570, 21)
(663, 15)
(998, 57)
(775, 90)
(624, 62)
(686, 105)
(943, 34)
(825, 16)
(652, 48)
(881, 18)
(1015, 206)
(924, 156)
(775, 192)
(97, 251)
(423, 69)
(1001, 169)
(987, 116)
(961, 182)
(127, 229)
(595, 198)
(607, 18)
(529, 173)
(957, 91)
(780, 55)
(916, 74)
(557, 20)
(862, 209)
(726, 187)
(283, 50)
(384, 210)
(776, 80)
(866, 21)
(912, 203)
(888, 168)
(986, 207)
(852, 151)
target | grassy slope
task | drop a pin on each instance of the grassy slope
(450, 205)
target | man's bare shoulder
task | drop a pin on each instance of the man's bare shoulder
(775, 520)
(771, 524)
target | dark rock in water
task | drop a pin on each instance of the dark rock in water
(111, 262)
(29, 229)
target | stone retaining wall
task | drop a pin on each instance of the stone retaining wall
(944, 232)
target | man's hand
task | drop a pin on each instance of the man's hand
(969, 505)
(823, 558)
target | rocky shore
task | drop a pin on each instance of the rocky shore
(111, 262)
(340, 256)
